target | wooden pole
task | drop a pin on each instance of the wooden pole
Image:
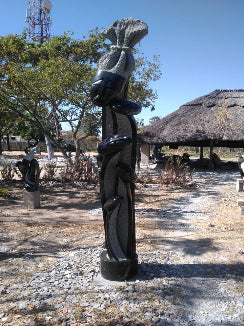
(211, 163)
(201, 152)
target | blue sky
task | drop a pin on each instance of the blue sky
(200, 42)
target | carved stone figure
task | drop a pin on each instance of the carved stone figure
(29, 168)
(118, 148)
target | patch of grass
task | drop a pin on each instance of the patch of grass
(4, 193)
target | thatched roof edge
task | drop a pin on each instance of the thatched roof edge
(217, 117)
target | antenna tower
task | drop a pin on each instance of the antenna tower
(39, 19)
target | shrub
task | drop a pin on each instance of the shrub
(8, 172)
(175, 172)
(50, 170)
(4, 193)
(79, 170)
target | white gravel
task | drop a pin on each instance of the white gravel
(171, 288)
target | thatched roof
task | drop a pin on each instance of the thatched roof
(217, 117)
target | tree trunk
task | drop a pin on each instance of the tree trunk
(77, 148)
(211, 163)
(1, 147)
(50, 152)
(8, 143)
(57, 127)
(201, 152)
(57, 144)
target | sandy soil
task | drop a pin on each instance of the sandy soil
(73, 213)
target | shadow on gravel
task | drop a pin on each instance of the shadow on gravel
(51, 250)
(25, 255)
(149, 271)
(195, 247)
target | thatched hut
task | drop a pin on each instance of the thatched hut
(212, 120)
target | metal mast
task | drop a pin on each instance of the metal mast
(39, 19)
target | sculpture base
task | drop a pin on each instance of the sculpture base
(240, 203)
(31, 199)
(239, 185)
(114, 270)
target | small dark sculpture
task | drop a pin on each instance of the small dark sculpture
(117, 151)
(29, 166)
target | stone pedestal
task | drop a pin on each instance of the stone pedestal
(145, 153)
(115, 270)
(239, 185)
(240, 203)
(31, 199)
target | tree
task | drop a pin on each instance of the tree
(10, 124)
(140, 90)
(3, 122)
(140, 124)
(154, 119)
(48, 84)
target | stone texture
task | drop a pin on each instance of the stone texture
(239, 185)
(123, 34)
(240, 203)
(31, 199)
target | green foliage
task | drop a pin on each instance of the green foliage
(154, 119)
(12, 124)
(4, 193)
(44, 85)
(140, 89)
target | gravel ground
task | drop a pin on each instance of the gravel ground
(177, 284)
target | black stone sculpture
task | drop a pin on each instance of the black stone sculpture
(29, 166)
(118, 149)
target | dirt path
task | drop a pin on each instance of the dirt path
(205, 221)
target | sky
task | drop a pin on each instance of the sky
(200, 42)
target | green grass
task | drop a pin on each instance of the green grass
(4, 193)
